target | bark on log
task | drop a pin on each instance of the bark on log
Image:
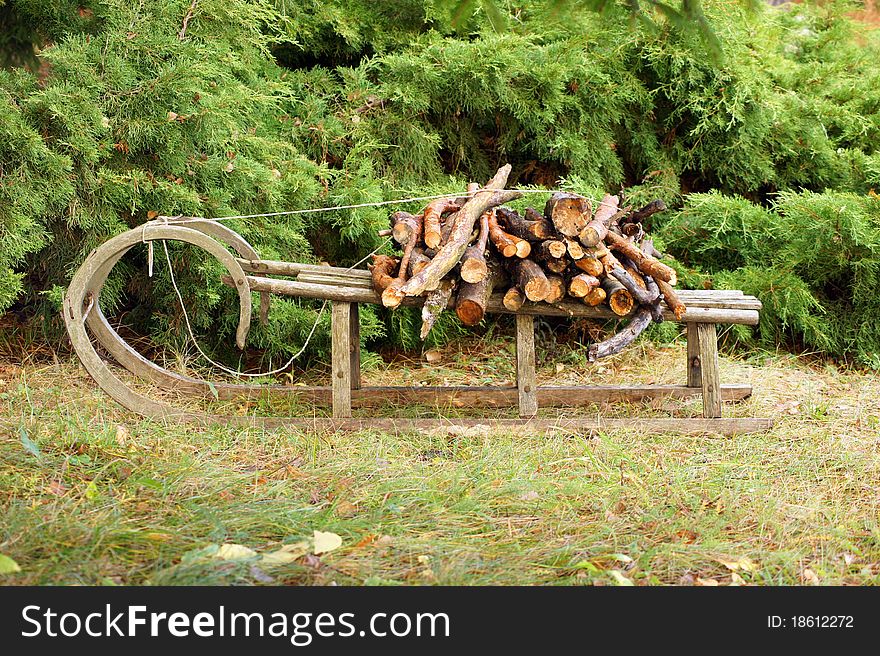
(473, 263)
(505, 243)
(646, 264)
(622, 339)
(673, 302)
(582, 284)
(568, 212)
(557, 288)
(513, 299)
(435, 303)
(418, 260)
(619, 298)
(530, 278)
(594, 232)
(656, 310)
(432, 213)
(643, 213)
(639, 293)
(648, 248)
(381, 271)
(450, 253)
(403, 226)
(470, 305)
(525, 228)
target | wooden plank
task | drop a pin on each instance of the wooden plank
(355, 346)
(694, 373)
(341, 357)
(530, 427)
(282, 268)
(495, 305)
(711, 383)
(526, 380)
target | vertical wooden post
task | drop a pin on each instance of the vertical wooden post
(694, 373)
(711, 382)
(526, 380)
(355, 346)
(341, 357)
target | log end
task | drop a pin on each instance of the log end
(474, 270)
(469, 312)
(523, 249)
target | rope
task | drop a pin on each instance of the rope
(226, 369)
(312, 210)
(177, 220)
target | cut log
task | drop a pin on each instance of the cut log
(403, 226)
(582, 284)
(473, 262)
(555, 265)
(570, 213)
(557, 288)
(418, 260)
(616, 343)
(645, 263)
(639, 292)
(470, 305)
(525, 228)
(381, 272)
(591, 265)
(391, 294)
(594, 232)
(575, 250)
(596, 297)
(432, 213)
(530, 278)
(551, 249)
(504, 242)
(492, 195)
(435, 303)
(620, 300)
(513, 299)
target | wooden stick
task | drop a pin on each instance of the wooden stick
(417, 261)
(450, 253)
(473, 298)
(530, 278)
(639, 293)
(436, 301)
(673, 302)
(525, 228)
(403, 226)
(646, 264)
(505, 243)
(596, 297)
(590, 265)
(620, 300)
(582, 284)
(381, 269)
(432, 213)
(622, 339)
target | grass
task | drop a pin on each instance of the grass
(94, 495)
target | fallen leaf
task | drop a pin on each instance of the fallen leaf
(91, 491)
(385, 541)
(326, 542)
(234, 552)
(261, 576)
(346, 509)
(122, 434)
(709, 583)
(433, 355)
(229, 168)
(560, 367)
(743, 563)
(286, 554)
(687, 536)
(172, 116)
(736, 579)
(531, 495)
(8, 566)
(57, 488)
(365, 541)
(619, 578)
(29, 445)
(809, 576)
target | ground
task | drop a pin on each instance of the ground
(94, 495)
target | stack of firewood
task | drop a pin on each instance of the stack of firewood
(467, 248)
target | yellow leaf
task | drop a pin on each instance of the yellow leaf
(619, 578)
(286, 554)
(744, 564)
(706, 582)
(7, 565)
(736, 579)
(326, 542)
(234, 552)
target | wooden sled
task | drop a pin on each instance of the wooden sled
(346, 289)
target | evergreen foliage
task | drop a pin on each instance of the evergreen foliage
(274, 105)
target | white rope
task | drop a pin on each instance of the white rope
(189, 219)
(312, 210)
(240, 373)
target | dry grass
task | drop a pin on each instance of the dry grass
(110, 498)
